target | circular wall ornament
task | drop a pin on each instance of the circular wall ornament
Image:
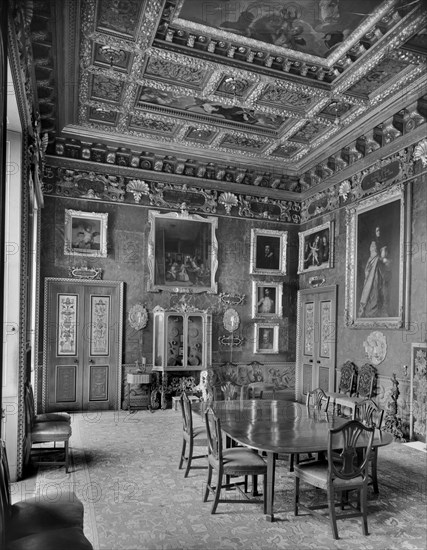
(231, 320)
(376, 347)
(138, 316)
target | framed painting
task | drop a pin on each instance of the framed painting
(182, 252)
(85, 233)
(266, 300)
(316, 248)
(266, 338)
(418, 397)
(268, 252)
(376, 261)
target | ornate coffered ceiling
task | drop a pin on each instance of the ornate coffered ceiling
(270, 95)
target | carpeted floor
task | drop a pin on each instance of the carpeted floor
(124, 469)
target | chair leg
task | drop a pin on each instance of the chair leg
(296, 499)
(264, 491)
(189, 459)
(208, 483)
(66, 449)
(217, 492)
(363, 499)
(184, 445)
(332, 516)
(374, 470)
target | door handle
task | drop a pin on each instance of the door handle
(91, 361)
(310, 360)
(76, 361)
(318, 361)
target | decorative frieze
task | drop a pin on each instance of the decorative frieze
(91, 185)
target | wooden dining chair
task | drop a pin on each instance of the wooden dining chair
(339, 477)
(194, 436)
(232, 462)
(370, 414)
(346, 387)
(39, 433)
(43, 417)
(317, 399)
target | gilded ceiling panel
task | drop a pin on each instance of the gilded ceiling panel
(121, 17)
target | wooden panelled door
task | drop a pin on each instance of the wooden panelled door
(83, 344)
(316, 340)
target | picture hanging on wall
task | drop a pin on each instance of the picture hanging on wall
(268, 252)
(376, 261)
(182, 252)
(85, 233)
(316, 248)
(266, 300)
(266, 338)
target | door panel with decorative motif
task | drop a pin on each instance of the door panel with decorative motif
(82, 349)
(316, 340)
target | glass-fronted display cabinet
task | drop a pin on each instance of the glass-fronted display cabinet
(181, 340)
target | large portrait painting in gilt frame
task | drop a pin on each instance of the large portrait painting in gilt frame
(182, 252)
(376, 262)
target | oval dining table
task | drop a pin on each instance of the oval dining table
(279, 427)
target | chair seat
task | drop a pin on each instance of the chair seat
(30, 516)
(53, 417)
(199, 432)
(316, 473)
(50, 431)
(243, 461)
(71, 538)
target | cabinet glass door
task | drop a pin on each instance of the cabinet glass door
(159, 339)
(195, 350)
(175, 340)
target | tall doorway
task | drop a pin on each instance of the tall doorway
(83, 329)
(316, 340)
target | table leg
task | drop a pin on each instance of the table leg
(271, 472)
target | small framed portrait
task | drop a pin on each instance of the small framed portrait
(85, 233)
(266, 300)
(376, 261)
(418, 405)
(268, 252)
(316, 248)
(266, 338)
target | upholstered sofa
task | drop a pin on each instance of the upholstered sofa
(39, 523)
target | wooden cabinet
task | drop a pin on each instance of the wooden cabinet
(181, 340)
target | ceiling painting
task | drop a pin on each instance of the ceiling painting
(194, 105)
(314, 27)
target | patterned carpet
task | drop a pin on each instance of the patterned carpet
(124, 468)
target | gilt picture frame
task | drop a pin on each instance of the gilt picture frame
(266, 338)
(268, 252)
(182, 252)
(316, 248)
(85, 233)
(376, 268)
(267, 300)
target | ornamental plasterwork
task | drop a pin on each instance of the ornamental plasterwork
(190, 75)
(376, 347)
(327, 200)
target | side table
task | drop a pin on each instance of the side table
(144, 380)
